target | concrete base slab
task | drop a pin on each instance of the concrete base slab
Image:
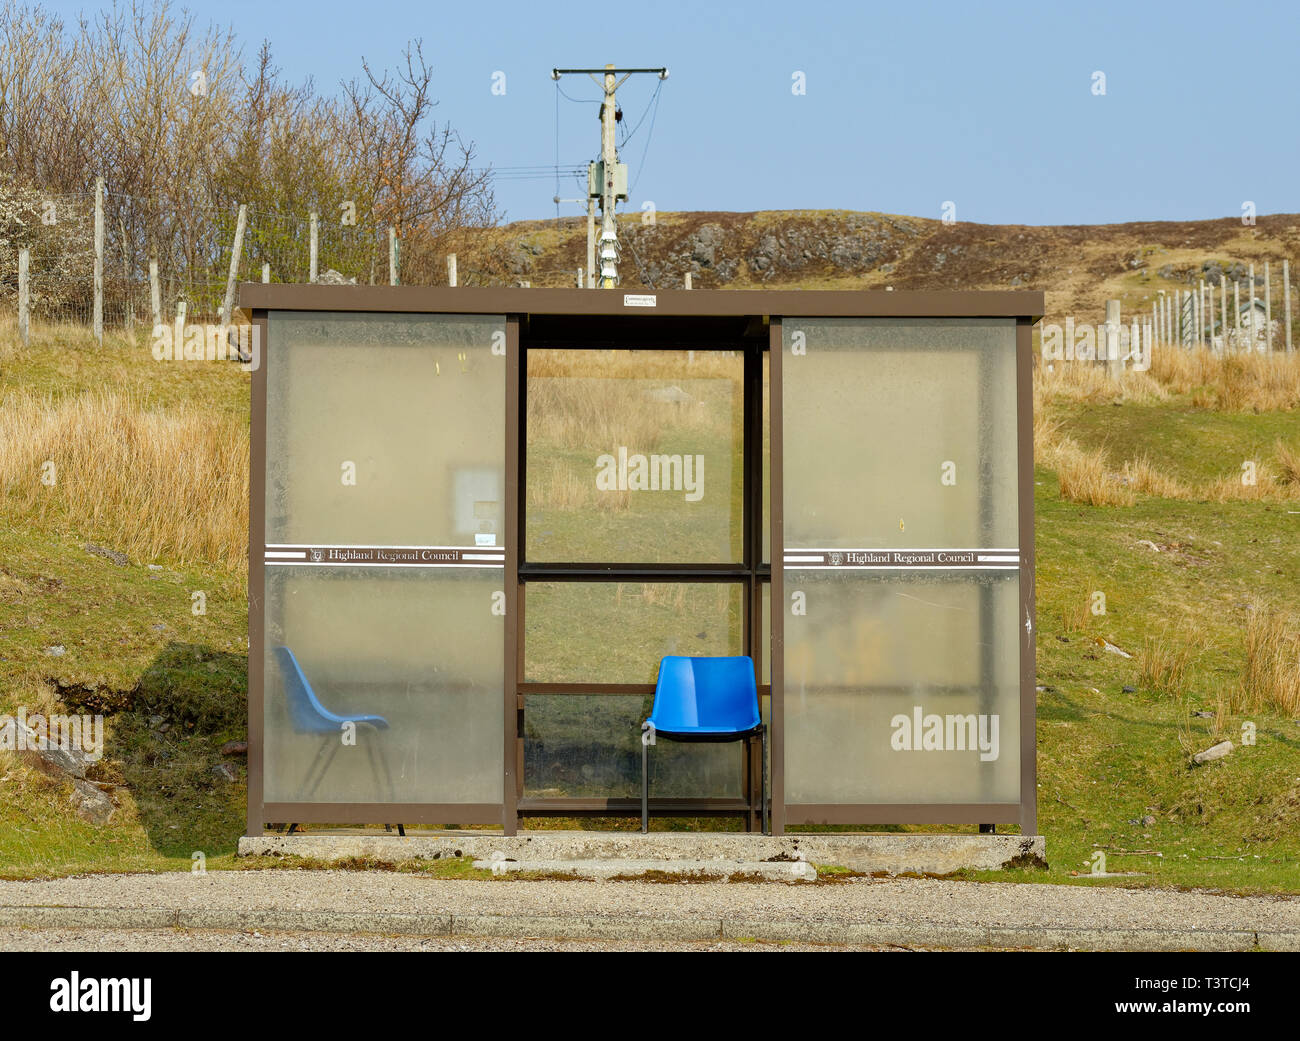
(618, 867)
(889, 853)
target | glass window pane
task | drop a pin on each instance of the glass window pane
(385, 430)
(384, 567)
(590, 745)
(634, 456)
(616, 632)
(901, 670)
(900, 433)
(420, 648)
(866, 657)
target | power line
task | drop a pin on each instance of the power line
(577, 101)
(654, 98)
(649, 136)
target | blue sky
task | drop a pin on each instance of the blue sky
(908, 105)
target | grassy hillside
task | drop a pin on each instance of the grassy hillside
(1139, 499)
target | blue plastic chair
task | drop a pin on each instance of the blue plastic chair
(704, 700)
(309, 716)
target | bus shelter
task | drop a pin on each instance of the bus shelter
(481, 516)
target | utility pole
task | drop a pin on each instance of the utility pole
(607, 178)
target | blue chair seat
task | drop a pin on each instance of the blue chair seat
(704, 700)
(715, 734)
(309, 716)
(306, 712)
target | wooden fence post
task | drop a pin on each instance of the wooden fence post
(129, 303)
(1223, 299)
(178, 342)
(98, 320)
(1209, 334)
(24, 295)
(1286, 298)
(392, 256)
(1115, 364)
(1252, 307)
(155, 295)
(313, 263)
(228, 304)
(1268, 309)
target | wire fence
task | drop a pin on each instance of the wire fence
(153, 267)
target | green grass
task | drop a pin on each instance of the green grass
(1106, 757)
(1191, 445)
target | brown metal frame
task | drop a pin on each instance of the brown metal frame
(749, 573)
(671, 307)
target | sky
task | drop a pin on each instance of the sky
(1012, 113)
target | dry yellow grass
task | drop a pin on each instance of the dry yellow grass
(1084, 478)
(1143, 477)
(167, 483)
(1162, 667)
(1077, 616)
(1220, 382)
(581, 399)
(562, 489)
(1088, 381)
(1288, 461)
(1230, 382)
(1271, 678)
(1266, 487)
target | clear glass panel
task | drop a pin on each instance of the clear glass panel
(421, 648)
(590, 745)
(870, 655)
(616, 632)
(634, 456)
(899, 433)
(384, 431)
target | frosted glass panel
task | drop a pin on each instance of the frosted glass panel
(634, 456)
(385, 429)
(901, 659)
(420, 648)
(899, 433)
(385, 447)
(869, 656)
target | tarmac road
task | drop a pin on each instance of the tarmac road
(932, 913)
